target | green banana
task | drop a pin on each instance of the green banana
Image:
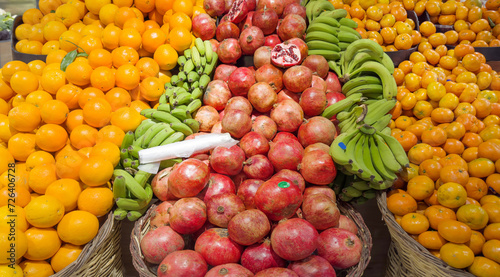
(366, 89)
(135, 215)
(134, 151)
(364, 172)
(180, 113)
(181, 127)
(187, 53)
(195, 56)
(339, 146)
(208, 51)
(181, 61)
(132, 185)
(124, 153)
(387, 156)
(359, 59)
(175, 137)
(362, 45)
(378, 110)
(350, 30)
(361, 185)
(164, 107)
(338, 14)
(369, 194)
(388, 63)
(386, 130)
(200, 46)
(343, 197)
(396, 148)
(143, 127)
(368, 162)
(119, 214)
(316, 35)
(332, 22)
(328, 54)
(119, 188)
(348, 22)
(196, 94)
(160, 137)
(341, 105)
(322, 27)
(131, 204)
(128, 139)
(127, 162)
(343, 45)
(148, 136)
(182, 99)
(379, 163)
(182, 76)
(148, 113)
(360, 200)
(142, 177)
(322, 45)
(347, 37)
(365, 80)
(163, 98)
(388, 82)
(192, 77)
(174, 80)
(382, 123)
(320, 7)
(165, 117)
(209, 68)
(194, 105)
(352, 192)
(204, 80)
(335, 67)
(193, 124)
(188, 66)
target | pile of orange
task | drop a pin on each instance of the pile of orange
(153, 28)
(447, 118)
(60, 133)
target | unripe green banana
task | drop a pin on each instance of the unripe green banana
(351, 192)
(350, 30)
(134, 151)
(339, 146)
(387, 156)
(362, 45)
(124, 153)
(364, 80)
(188, 66)
(165, 117)
(361, 185)
(344, 197)
(323, 27)
(181, 113)
(164, 107)
(193, 124)
(135, 215)
(148, 136)
(187, 54)
(341, 105)
(368, 89)
(348, 22)
(174, 80)
(194, 105)
(208, 51)
(131, 204)
(378, 110)
(388, 82)
(161, 136)
(119, 214)
(322, 45)
(347, 37)
(195, 56)
(132, 185)
(330, 21)
(210, 66)
(396, 148)
(328, 54)
(177, 136)
(200, 46)
(181, 61)
(204, 80)
(142, 177)
(383, 122)
(181, 127)
(379, 163)
(192, 77)
(369, 194)
(119, 187)
(316, 35)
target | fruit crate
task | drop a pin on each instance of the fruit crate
(439, 27)
(407, 257)
(16, 55)
(402, 55)
(146, 269)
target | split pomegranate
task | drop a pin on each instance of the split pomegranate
(258, 167)
(229, 270)
(277, 272)
(246, 192)
(285, 154)
(248, 227)
(217, 248)
(222, 207)
(292, 26)
(286, 55)
(297, 78)
(288, 115)
(261, 256)
(217, 94)
(266, 19)
(293, 176)
(218, 184)
(229, 50)
(227, 30)
(237, 123)
(265, 126)
(241, 80)
(214, 7)
(339, 247)
(294, 8)
(160, 242)
(317, 167)
(276, 5)
(320, 211)
(271, 75)
(312, 101)
(207, 116)
(239, 103)
(188, 178)
(239, 9)
(272, 40)
(188, 215)
(304, 49)
(294, 239)
(204, 26)
(183, 263)
(316, 129)
(313, 266)
(227, 161)
(251, 39)
(278, 198)
(262, 96)
(262, 56)
(318, 65)
(223, 71)
(247, 23)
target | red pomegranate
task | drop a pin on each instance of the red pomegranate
(320, 211)
(229, 50)
(217, 248)
(227, 30)
(187, 215)
(222, 207)
(262, 96)
(229, 270)
(254, 143)
(347, 224)
(317, 146)
(284, 135)
(295, 8)
(258, 167)
(285, 154)
(223, 71)
(258, 257)
(313, 101)
(239, 103)
(207, 116)
(317, 167)
(248, 227)
(204, 26)
(333, 83)
(266, 19)
(318, 65)
(313, 266)
(246, 192)
(339, 247)
(241, 80)
(316, 129)
(294, 239)
(297, 78)
(276, 272)
(318, 83)
(278, 198)
(247, 23)
(276, 5)
(251, 39)
(330, 193)
(265, 126)
(272, 40)
(183, 263)
(218, 184)
(159, 216)
(239, 10)
(217, 94)
(294, 177)
(271, 75)
(302, 46)
(288, 115)
(159, 184)
(188, 178)
(262, 56)
(227, 161)
(214, 7)
(237, 123)
(292, 26)
(160, 242)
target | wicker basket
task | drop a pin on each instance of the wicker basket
(146, 269)
(101, 256)
(406, 256)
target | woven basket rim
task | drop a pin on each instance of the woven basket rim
(141, 227)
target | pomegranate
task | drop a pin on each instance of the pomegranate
(347, 224)
(313, 102)
(223, 71)
(247, 23)
(334, 97)
(317, 146)
(313, 266)
(293, 176)
(278, 198)
(254, 143)
(246, 192)
(214, 7)
(237, 123)
(272, 40)
(321, 211)
(320, 190)
(229, 50)
(286, 94)
(217, 248)
(284, 135)
(227, 30)
(251, 39)
(317, 167)
(159, 216)
(276, 5)
(294, 239)
(262, 96)
(222, 207)
(271, 75)
(333, 83)
(285, 154)
(227, 161)
(292, 26)
(265, 126)
(266, 19)
(207, 116)
(304, 49)
(188, 178)
(248, 227)
(297, 78)
(200, 231)
(160, 242)
(238, 179)
(262, 56)
(217, 128)
(228, 4)
(218, 184)
(239, 10)
(318, 83)
(229, 270)
(318, 65)
(240, 81)
(204, 26)
(183, 263)
(187, 215)
(294, 8)
(289, 2)
(286, 55)
(288, 115)
(217, 94)
(239, 103)
(261, 256)
(258, 167)
(316, 129)
(215, 44)
(159, 184)
(339, 247)
(276, 272)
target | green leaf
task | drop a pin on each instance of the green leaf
(68, 59)
(492, 24)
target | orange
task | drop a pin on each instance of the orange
(24, 82)
(492, 231)
(24, 118)
(152, 39)
(68, 40)
(118, 98)
(127, 76)
(95, 5)
(96, 200)
(124, 55)
(107, 14)
(97, 112)
(491, 250)
(96, 171)
(54, 112)
(66, 254)
(53, 30)
(414, 223)
(68, 166)
(481, 168)
(20, 248)
(107, 150)
(456, 255)
(12, 67)
(36, 268)
(110, 133)
(493, 181)
(44, 211)
(431, 240)
(473, 215)
(403, 42)
(65, 190)
(83, 136)
(126, 119)
(451, 195)
(110, 37)
(151, 88)
(102, 78)
(427, 28)
(483, 267)
(476, 188)
(420, 187)
(166, 57)
(69, 94)
(454, 173)
(68, 14)
(55, 56)
(434, 136)
(32, 16)
(89, 43)
(41, 176)
(43, 243)
(130, 37)
(39, 158)
(21, 196)
(21, 145)
(147, 67)
(52, 80)
(51, 137)
(455, 231)
(490, 149)
(401, 204)
(78, 73)
(122, 15)
(88, 94)
(490, 198)
(78, 227)
(491, 133)
(430, 168)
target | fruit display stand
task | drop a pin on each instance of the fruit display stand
(402, 55)
(146, 269)
(407, 257)
(16, 55)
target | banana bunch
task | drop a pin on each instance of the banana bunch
(350, 188)
(132, 194)
(365, 68)
(329, 31)
(369, 154)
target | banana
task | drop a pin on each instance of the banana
(365, 80)
(132, 185)
(366, 89)
(170, 162)
(360, 200)
(341, 105)
(128, 139)
(388, 63)
(388, 82)
(192, 77)
(328, 54)
(142, 177)
(338, 13)
(396, 148)
(160, 137)
(330, 21)
(322, 27)
(346, 122)
(194, 105)
(188, 66)
(378, 110)
(119, 214)
(322, 45)
(209, 68)
(368, 162)
(127, 162)
(147, 113)
(181, 127)
(196, 94)
(182, 99)
(174, 80)
(204, 80)
(350, 30)
(335, 67)
(347, 37)
(378, 163)
(148, 136)
(361, 185)
(193, 124)
(343, 45)
(339, 146)
(163, 98)
(361, 45)
(321, 36)
(386, 130)
(134, 151)
(198, 42)
(370, 194)
(352, 192)
(208, 51)
(169, 92)
(320, 7)
(181, 113)
(343, 197)
(360, 58)
(182, 76)
(165, 117)
(187, 53)
(348, 22)
(124, 154)
(383, 122)
(309, 10)
(345, 115)
(387, 156)
(143, 127)
(177, 136)
(195, 56)
(131, 204)
(181, 61)
(135, 215)
(119, 188)
(134, 164)
(364, 171)
(164, 107)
